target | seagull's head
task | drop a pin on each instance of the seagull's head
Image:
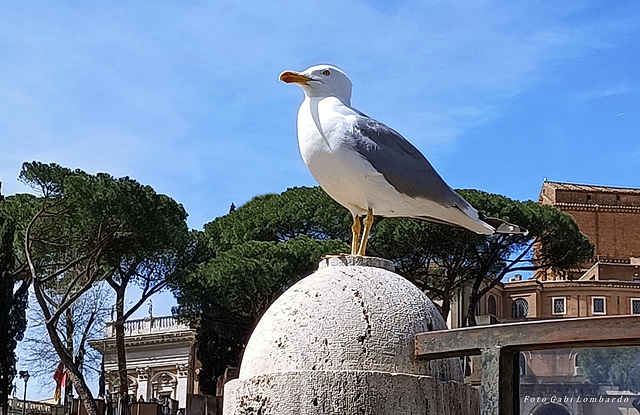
(321, 81)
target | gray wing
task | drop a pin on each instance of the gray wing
(403, 165)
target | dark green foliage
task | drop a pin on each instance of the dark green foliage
(619, 366)
(554, 235)
(298, 211)
(561, 244)
(245, 259)
(441, 259)
(110, 224)
(84, 228)
(242, 282)
(13, 305)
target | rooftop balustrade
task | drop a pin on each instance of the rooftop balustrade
(148, 325)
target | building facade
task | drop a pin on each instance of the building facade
(608, 284)
(161, 359)
(608, 216)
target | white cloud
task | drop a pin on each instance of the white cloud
(604, 91)
(153, 89)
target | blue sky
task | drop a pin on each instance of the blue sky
(184, 96)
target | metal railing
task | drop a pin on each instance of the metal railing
(33, 408)
(499, 346)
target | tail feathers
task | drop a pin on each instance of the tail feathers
(502, 226)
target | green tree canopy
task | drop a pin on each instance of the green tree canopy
(245, 259)
(441, 259)
(13, 304)
(619, 366)
(307, 211)
(83, 228)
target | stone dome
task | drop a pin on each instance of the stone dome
(353, 313)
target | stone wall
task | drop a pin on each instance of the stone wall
(342, 341)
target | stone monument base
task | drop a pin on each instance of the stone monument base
(348, 392)
(342, 341)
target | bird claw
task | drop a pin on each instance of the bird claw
(336, 256)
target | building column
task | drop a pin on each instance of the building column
(143, 383)
(108, 384)
(182, 370)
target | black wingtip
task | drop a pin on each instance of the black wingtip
(502, 226)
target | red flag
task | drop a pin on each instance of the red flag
(60, 376)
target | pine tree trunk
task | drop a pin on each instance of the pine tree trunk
(72, 372)
(70, 331)
(67, 360)
(120, 344)
(445, 309)
(471, 311)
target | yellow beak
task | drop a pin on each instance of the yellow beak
(294, 77)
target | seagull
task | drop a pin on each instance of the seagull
(369, 168)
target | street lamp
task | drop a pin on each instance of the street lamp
(24, 374)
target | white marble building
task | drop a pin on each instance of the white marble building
(161, 359)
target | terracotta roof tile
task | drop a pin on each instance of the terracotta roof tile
(590, 188)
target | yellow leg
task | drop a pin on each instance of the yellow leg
(355, 235)
(368, 222)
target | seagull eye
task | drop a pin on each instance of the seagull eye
(326, 72)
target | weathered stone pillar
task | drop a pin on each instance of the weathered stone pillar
(181, 390)
(143, 383)
(341, 341)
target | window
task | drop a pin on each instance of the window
(635, 306)
(559, 305)
(598, 305)
(576, 364)
(520, 308)
(491, 305)
(523, 364)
